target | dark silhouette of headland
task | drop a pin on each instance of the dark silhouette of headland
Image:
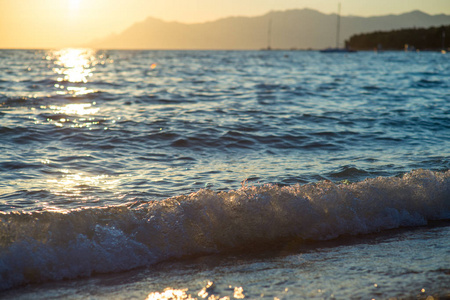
(290, 29)
(427, 39)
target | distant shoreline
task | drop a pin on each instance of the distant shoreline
(408, 39)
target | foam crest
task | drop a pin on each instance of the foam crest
(42, 246)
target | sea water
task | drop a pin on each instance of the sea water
(224, 174)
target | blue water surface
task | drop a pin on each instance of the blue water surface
(81, 128)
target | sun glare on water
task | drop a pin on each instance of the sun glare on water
(76, 65)
(208, 292)
(73, 69)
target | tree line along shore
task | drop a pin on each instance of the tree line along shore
(423, 39)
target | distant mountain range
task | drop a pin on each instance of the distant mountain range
(299, 29)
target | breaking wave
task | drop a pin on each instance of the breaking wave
(55, 245)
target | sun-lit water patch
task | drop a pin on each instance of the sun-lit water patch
(73, 90)
(169, 293)
(238, 293)
(73, 66)
(76, 115)
(79, 109)
(209, 292)
(75, 184)
(76, 65)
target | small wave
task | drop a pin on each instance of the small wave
(371, 88)
(424, 83)
(55, 245)
(348, 172)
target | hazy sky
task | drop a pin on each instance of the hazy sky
(60, 23)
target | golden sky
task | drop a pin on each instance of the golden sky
(63, 23)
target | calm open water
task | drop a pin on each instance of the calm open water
(276, 174)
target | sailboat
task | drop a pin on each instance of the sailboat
(338, 29)
(269, 37)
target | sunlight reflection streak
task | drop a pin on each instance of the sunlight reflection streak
(73, 184)
(74, 66)
(79, 109)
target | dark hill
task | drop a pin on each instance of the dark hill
(434, 38)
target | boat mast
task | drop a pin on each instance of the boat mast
(269, 35)
(443, 39)
(338, 29)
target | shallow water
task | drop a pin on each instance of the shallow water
(376, 266)
(272, 145)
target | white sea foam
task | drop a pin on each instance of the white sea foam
(42, 246)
